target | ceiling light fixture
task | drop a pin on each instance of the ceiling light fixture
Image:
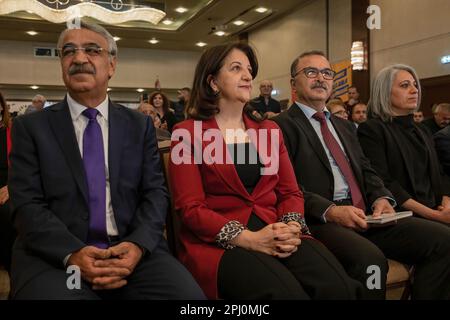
(181, 10)
(238, 22)
(220, 33)
(108, 90)
(32, 33)
(167, 22)
(200, 44)
(117, 38)
(261, 10)
(91, 9)
(140, 90)
(153, 41)
(34, 87)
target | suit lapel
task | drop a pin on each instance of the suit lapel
(62, 126)
(117, 133)
(299, 117)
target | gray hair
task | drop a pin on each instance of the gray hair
(442, 107)
(112, 46)
(380, 105)
(39, 97)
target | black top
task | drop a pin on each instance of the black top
(247, 164)
(170, 118)
(431, 125)
(260, 105)
(416, 150)
(248, 167)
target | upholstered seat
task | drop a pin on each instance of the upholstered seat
(4, 284)
(398, 281)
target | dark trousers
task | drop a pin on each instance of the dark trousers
(157, 276)
(312, 272)
(414, 241)
(7, 235)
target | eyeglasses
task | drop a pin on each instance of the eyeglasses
(312, 73)
(90, 50)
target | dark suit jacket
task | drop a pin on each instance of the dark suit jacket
(385, 151)
(210, 195)
(260, 105)
(442, 142)
(312, 167)
(48, 188)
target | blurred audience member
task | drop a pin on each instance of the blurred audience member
(359, 114)
(353, 98)
(37, 104)
(179, 106)
(440, 119)
(161, 106)
(418, 116)
(265, 104)
(149, 110)
(337, 108)
(442, 142)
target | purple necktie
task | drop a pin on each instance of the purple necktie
(341, 161)
(94, 166)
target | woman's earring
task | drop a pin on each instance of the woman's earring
(216, 92)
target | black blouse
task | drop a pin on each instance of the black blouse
(246, 161)
(416, 150)
(248, 167)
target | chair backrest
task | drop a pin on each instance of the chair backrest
(172, 220)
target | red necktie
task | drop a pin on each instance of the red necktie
(341, 161)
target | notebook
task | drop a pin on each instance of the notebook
(388, 217)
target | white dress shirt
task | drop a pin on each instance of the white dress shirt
(79, 123)
(341, 188)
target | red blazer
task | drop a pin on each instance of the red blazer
(207, 196)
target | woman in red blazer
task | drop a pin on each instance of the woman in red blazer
(7, 234)
(243, 235)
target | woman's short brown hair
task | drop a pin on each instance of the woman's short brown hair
(204, 101)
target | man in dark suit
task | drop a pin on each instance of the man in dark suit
(87, 190)
(442, 142)
(340, 187)
(265, 104)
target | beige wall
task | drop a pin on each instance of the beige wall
(413, 32)
(340, 30)
(137, 68)
(279, 42)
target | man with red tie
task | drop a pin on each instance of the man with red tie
(340, 188)
(87, 191)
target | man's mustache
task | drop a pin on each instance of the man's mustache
(319, 85)
(81, 68)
